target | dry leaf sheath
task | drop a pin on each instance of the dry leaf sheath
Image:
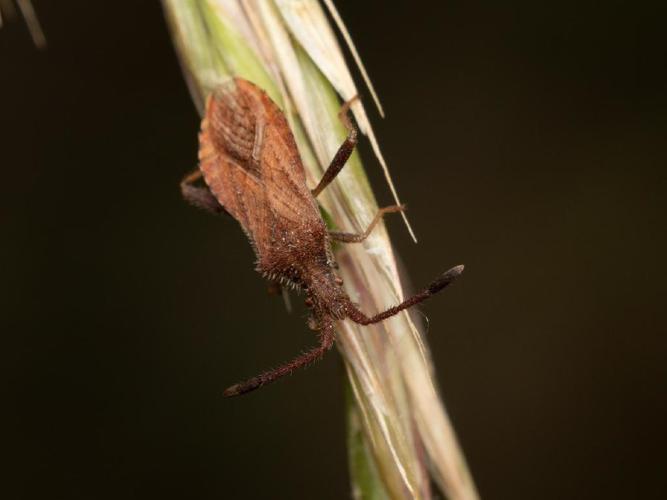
(400, 435)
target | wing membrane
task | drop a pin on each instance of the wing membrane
(251, 164)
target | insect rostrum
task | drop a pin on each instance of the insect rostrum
(250, 164)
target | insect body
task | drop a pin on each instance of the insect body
(250, 164)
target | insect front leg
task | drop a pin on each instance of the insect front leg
(359, 237)
(436, 286)
(200, 196)
(344, 151)
(326, 337)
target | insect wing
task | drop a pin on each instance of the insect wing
(251, 163)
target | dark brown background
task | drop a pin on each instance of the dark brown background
(529, 143)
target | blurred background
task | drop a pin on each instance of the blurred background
(528, 140)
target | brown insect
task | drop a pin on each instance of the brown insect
(252, 169)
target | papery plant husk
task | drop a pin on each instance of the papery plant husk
(400, 437)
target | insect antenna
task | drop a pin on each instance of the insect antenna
(326, 337)
(441, 282)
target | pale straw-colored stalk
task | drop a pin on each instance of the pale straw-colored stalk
(28, 12)
(399, 433)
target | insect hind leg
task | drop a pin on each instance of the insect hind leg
(200, 196)
(344, 151)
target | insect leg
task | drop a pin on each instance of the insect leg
(441, 282)
(359, 237)
(326, 342)
(199, 196)
(344, 151)
(275, 288)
